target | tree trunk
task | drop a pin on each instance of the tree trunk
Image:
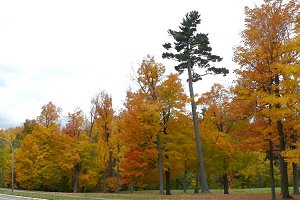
(225, 183)
(197, 134)
(295, 179)
(168, 182)
(76, 178)
(283, 165)
(272, 170)
(110, 164)
(131, 186)
(185, 181)
(104, 181)
(160, 166)
(196, 191)
(118, 179)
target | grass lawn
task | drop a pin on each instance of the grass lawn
(235, 194)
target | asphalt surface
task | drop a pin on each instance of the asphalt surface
(12, 197)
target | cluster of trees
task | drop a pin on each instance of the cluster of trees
(249, 132)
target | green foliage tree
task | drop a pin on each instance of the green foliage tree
(193, 49)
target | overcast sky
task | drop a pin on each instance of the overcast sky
(65, 51)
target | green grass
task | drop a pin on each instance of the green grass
(145, 195)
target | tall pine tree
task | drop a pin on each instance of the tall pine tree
(192, 49)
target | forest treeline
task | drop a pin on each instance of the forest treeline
(248, 132)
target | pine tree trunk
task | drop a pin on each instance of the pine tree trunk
(168, 182)
(272, 170)
(295, 179)
(185, 181)
(76, 178)
(225, 183)
(282, 163)
(160, 166)
(196, 191)
(197, 134)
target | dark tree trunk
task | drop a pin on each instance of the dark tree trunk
(160, 166)
(168, 182)
(111, 164)
(185, 181)
(225, 183)
(196, 191)
(295, 179)
(282, 163)
(76, 178)
(272, 170)
(197, 134)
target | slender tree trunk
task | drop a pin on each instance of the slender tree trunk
(295, 179)
(168, 182)
(282, 163)
(185, 181)
(272, 170)
(118, 170)
(225, 183)
(131, 186)
(104, 181)
(118, 179)
(197, 134)
(76, 178)
(196, 191)
(110, 164)
(160, 166)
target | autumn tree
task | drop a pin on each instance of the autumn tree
(101, 127)
(193, 49)
(74, 128)
(49, 115)
(219, 115)
(269, 72)
(142, 125)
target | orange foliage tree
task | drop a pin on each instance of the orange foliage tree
(269, 72)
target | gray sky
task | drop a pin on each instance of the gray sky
(65, 51)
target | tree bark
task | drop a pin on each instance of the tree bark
(160, 166)
(110, 164)
(118, 179)
(196, 191)
(295, 179)
(197, 134)
(282, 163)
(131, 186)
(272, 170)
(225, 183)
(168, 182)
(185, 181)
(76, 178)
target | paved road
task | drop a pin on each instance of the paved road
(12, 197)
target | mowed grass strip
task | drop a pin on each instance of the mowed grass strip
(235, 194)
